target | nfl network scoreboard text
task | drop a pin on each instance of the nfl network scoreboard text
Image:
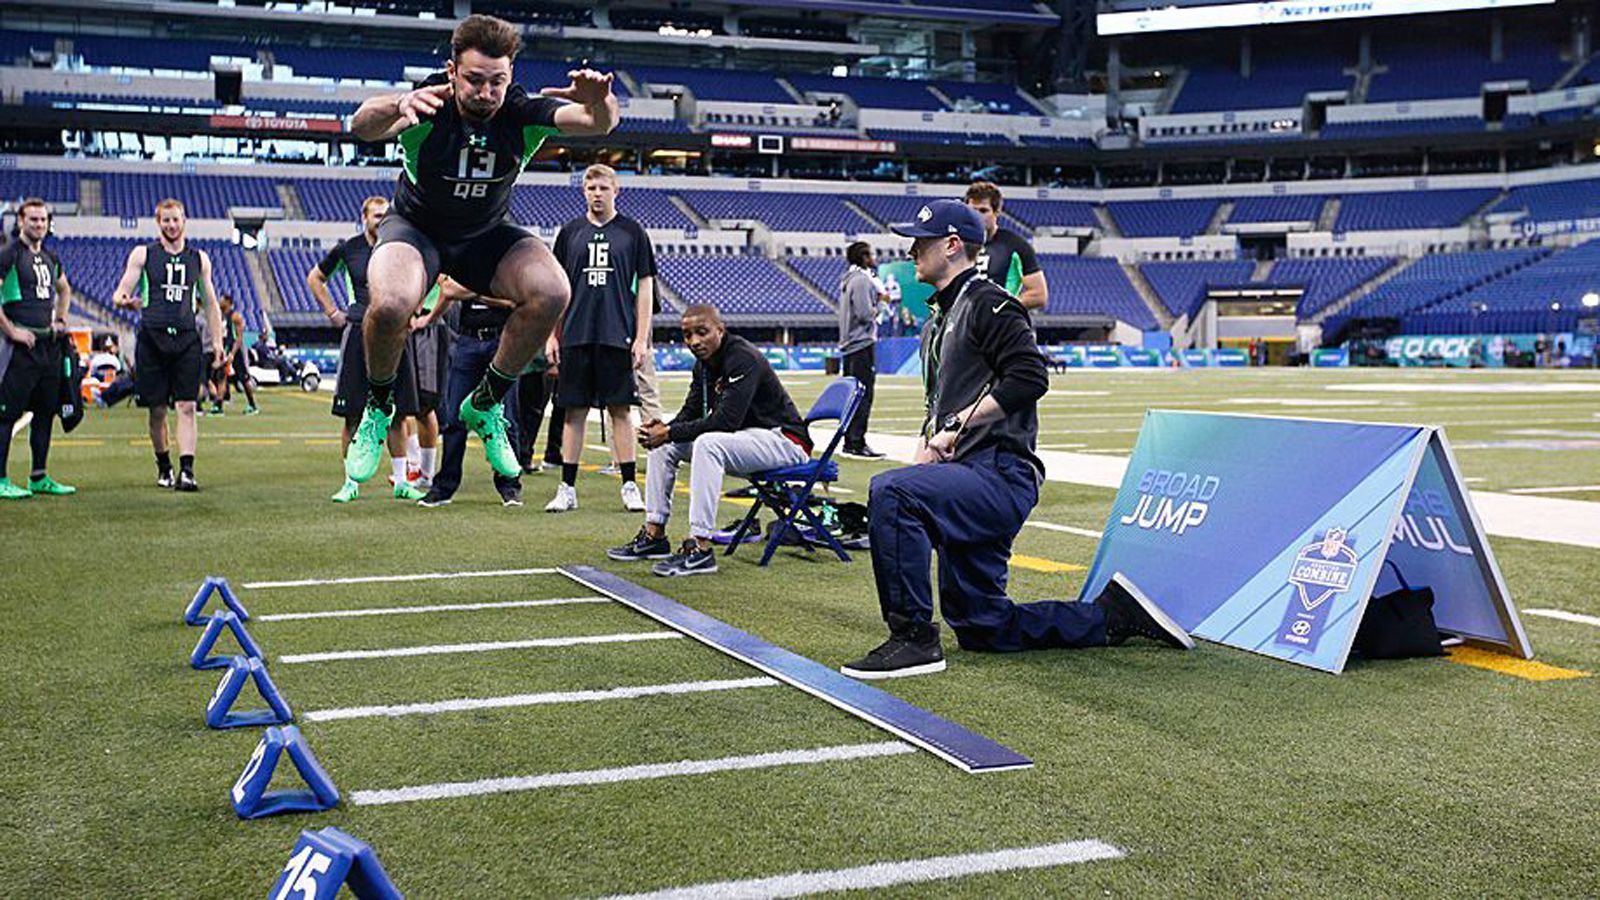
(1142, 18)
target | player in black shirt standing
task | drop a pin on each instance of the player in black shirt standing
(1007, 259)
(605, 335)
(465, 134)
(174, 279)
(34, 298)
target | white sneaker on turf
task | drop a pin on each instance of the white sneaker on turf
(566, 499)
(632, 500)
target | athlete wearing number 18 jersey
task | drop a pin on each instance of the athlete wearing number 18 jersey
(465, 134)
(34, 297)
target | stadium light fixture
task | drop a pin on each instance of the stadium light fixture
(1591, 300)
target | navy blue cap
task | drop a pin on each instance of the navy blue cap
(944, 217)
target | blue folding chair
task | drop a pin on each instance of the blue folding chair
(787, 491)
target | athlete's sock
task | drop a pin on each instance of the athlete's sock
(414, 450)
(569, 474)
(492, 389)
(381, 393)
(164, 462)
(399, 470)
(5, 443)
(186, 463)
(629, 471)
(425, 458)
(36, 475)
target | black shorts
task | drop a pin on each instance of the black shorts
(430, 356)
(594, 376)
(472, 262)
(166, 367)
(350, 395)
(32, 380)
(239, 371)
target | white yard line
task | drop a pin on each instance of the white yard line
(1569, 489)
(1565, 616)
(1064, 529)
(630, 773)
(481, 646)
(379, 579)
(1574, 523)
(514, 700)
(883, 875)
(440, 607)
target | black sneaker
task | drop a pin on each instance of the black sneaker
(1129, 613)
(643, 546)
(186, 482)
(510, 494)
(898, 658)
(861, 452)
(435, 498)
(689, 560)
(165, 479)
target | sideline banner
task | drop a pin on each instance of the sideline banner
(1270, 534)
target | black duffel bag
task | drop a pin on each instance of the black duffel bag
(1399, 624)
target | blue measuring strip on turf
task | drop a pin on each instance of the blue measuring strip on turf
(968, 751)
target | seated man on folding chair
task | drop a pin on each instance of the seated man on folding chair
(737, 419)
(975, 480)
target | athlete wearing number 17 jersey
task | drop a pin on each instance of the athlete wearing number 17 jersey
(465, 134)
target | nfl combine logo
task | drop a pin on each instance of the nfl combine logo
(1320, 570)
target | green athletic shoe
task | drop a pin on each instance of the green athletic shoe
(490, 425)
(252, 410)
(404, 491)
(50, 486)
(9, 491)
(350, 491)
(366, 449)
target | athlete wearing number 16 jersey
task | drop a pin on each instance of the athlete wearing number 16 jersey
(465, 134)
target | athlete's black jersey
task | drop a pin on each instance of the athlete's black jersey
(171, 286)
(352, 255)
(459, 174)
(604, 264)
(1006, 258)
(28, 288)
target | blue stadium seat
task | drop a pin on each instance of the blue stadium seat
(737, 285)
(1410, 209)
(1183, 285)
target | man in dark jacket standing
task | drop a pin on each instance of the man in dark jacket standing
(737, 419)
(975, 480)
(858, 340)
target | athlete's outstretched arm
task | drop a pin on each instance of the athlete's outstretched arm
(382, 117)
(123, 296)
(593, 109)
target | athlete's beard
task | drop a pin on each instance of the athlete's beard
(171, 237)
(476, 111)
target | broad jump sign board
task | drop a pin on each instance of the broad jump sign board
(1271, 534)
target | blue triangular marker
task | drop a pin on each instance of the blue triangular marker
(213, 585)
(240, 670)
(199, 660)
(250, 797)
(323, 861)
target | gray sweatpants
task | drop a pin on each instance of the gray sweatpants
(711, 456)
(644, 379)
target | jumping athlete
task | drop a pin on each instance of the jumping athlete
(465, 134)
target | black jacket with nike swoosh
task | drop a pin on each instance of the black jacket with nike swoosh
(981, 339)
(733, 390)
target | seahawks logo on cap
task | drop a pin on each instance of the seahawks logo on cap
(925, 215)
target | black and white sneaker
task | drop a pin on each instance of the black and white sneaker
(165, 479)
(435, 499)
(898, 658)
(689, 560)
(1129, 613)
(861, 452)
(643, 546)
(186, 482)
(510, 494)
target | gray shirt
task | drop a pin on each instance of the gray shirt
(858, 310)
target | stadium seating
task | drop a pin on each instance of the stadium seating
(985, 97)
(822, 272)
(920, 136)
(738, 285)
(1161, 218)
(780, 211)
(136, 194)
(1381, 128)
(1433, 278)
(1430, 69)
(882, 93)
(1544, 295)
(1093, 286)
(1051, 213)
(715, 84)
(1277, 208)
(1326, 279)
(1182, 285)
(55, 187)
(552, 207)
(340, 199)
(1275, 82)
(1553, 202)
(1410, 209)
(289, 267)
